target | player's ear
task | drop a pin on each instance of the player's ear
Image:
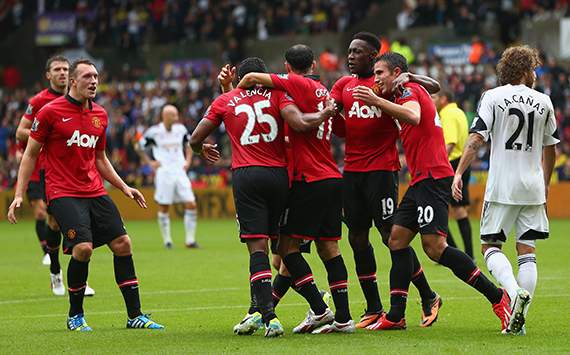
(288, 67)
(314, 66)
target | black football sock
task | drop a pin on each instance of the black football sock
(77, 272)
(253, 302)
(260, 279)
(366, 272)
(400, 276)
(337, 276)
(464, 268)
(303, 282)
(465, 229)
(450, 241)
(53, 240)
(128, 284)
(41, 233)
(419, 279)
(281, 285)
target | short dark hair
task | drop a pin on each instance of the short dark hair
(394, 60)
(55, 58)
(251, 65)
(300, 57)
(369, 38)
(447, 93)
(76, 63)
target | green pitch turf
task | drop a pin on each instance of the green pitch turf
(200, 294)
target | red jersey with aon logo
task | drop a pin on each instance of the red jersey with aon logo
(70, 134)
(371, 135)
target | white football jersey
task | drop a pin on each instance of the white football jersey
(168, 147)
(519, 122)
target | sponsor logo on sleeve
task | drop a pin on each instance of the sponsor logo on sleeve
(406, 93)
(35, 125)
(29, 109)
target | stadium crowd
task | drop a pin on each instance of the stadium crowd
(133, 106)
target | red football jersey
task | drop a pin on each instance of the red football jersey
(423, 144)
(370, 134)
(34, 105)
(70, 134)
(312, 157)
(252, 119)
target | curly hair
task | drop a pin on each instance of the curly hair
(515, 63)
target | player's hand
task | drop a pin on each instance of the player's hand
(226, 77)
(398, 83)
(210, 153)
(330, 109)
(136, 195)
(365, 94)
(17, 203)
(457, 188)
(155, 164)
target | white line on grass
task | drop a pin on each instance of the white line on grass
(243, 306)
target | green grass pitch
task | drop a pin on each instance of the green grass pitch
(200, 294)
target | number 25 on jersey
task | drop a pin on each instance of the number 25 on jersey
(255, 115)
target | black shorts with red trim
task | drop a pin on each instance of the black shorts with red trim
(424, 207)
(465, 190)
(314, 210)
(370, 196)
(260, 196)
(93, 219)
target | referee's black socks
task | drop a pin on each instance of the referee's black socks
(128, 283)
(77, 273)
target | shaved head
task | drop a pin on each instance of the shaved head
(169, 114)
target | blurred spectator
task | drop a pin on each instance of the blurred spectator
(401, 46)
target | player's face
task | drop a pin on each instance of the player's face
(439, 101)
(360, 57)
(384, 77)
(170, 116)
(85, 81)
(58, 74)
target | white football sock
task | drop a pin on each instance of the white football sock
(190, 221)
(164, 224)
(501, 269)
(528, 273)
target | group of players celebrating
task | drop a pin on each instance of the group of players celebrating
(288, 189)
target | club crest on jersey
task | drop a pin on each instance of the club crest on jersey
(82, 140)
(35, 125)
(29, 110)
(71, 234)
(96, 122)
(406, 93)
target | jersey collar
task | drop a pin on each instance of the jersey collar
(78, 103)
(314, 77)
(52, 91)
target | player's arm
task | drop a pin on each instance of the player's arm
(206, 150)
(548, 161)
(251, 79)
(408, 112)
(145, 158)
(303, 122)
(108, 173)
(431, 85)
(188, 155)
(474, 143)
(23, 130)
(24, 172)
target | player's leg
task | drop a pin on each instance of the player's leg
(384, 188)
(282, 281)
(39, 211)
(359, 220)
(164, 197)
(53, 241)
(461, 215)
(108, 228)
(73, 217)
(185, 194)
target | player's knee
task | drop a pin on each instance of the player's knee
(523, 249)
(358, 239)
(190, 205)
(121, 246)
(459, 212)
(40, 212)
(327, 249)
(52, 223)
(82, 251)
(276, 262)
(485, 247)
(283, 270)
(434, 247)
(257, 245)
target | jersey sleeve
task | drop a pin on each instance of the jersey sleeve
(336, 91)
(551, 136)
(484, 118)
(284, 101)
(214, 112)
(410, 93)
(147, 138)
(31, 109)
(41, 126)
(449, 125)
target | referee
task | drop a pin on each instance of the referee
(455, 132)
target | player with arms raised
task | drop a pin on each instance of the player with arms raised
(521, 126)
(424, 207)
(254, 121)
(370, 178)
(71, 130)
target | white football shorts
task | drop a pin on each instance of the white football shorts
(172, 187)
